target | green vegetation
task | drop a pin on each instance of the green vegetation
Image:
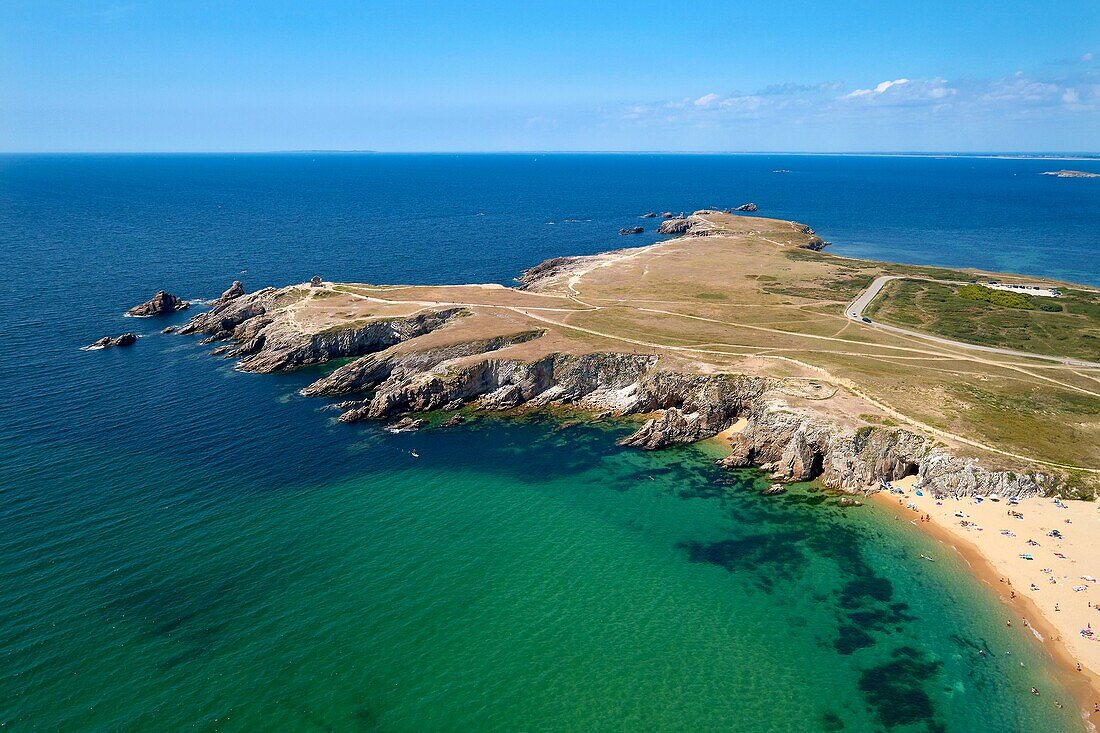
(1073, 329)
(1002, 298)
(1008, 299)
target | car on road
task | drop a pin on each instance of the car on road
(865, 319)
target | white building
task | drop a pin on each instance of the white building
(1027, 289)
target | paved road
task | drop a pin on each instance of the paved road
(855, 309)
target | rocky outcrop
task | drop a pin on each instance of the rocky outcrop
(649, 215)
(601, 382)
(454, 420)
(815, 242)
(406, 425)
(545, 270)
(677, 225)
(235, 290)
(161, 304)
(631, 230)
(369, 371)
(266, 341)
(789, 443)
(108, 342)
(798, 445)
(747, 207)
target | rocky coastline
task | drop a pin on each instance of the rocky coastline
(391, 378)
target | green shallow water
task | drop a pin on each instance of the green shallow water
(513, 578)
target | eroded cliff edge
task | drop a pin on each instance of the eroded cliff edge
(420, 361)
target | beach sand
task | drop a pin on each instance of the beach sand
(1054, 595)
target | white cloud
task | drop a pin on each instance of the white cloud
(1070, 96)
(706, 100)
(879, 89)
(1086, 56)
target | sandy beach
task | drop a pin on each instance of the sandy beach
(1040, 555)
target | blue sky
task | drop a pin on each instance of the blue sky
(830, 76)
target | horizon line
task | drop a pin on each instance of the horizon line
(1049, 155)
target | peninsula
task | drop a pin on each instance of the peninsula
(740, 321)
(808, 365)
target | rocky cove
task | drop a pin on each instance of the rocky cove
(393, 373)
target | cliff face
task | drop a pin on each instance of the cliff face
(796, 444)
(269, 341)
(790, 443)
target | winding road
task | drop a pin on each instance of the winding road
(855, 309)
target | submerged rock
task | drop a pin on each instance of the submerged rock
(161, 304)
(649, 215)
(406, 425)
(108, 342)
(631, 230)
(456, 419)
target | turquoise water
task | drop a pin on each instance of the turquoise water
(514, 577)
(184, 547)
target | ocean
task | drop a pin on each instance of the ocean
(185, 547)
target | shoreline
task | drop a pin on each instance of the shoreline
(1050, 634)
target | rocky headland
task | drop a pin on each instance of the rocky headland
(438, 355)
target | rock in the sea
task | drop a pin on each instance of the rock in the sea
(107, 342)
(678, 225)
(161, 304)
(405, 425)
(774, 490)
(631, 230)
(667, 214)
(456, 419)
(849, 501)
(168, 329)
(747, 207)
(649, 215)
(235, 290)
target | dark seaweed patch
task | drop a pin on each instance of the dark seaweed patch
(850, 638)
(895, 690)
(857, 592)
(770, 557)
(831, 722)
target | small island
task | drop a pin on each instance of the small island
(1071, 174)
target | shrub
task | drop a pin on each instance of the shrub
(1002, 298)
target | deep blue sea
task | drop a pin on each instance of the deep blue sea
(184, 547)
